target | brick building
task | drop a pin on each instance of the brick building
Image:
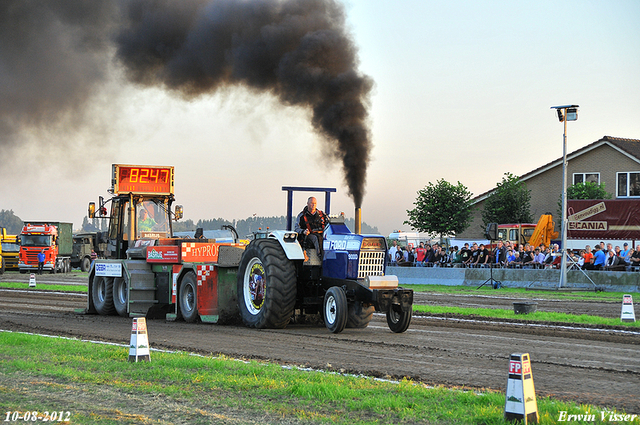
(611, 160)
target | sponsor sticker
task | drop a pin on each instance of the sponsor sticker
(109, 269)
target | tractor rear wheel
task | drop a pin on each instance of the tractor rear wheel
(359, 315)
(398, 319)
(266, 285)
(335, 309)
(121, 295)
(188, 298)
(102, 295)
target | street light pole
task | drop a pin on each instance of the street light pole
(565, 113)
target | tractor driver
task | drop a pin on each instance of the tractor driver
(310, 225)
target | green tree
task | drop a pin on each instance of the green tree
(508, 203)
(585, 190)
(441, 208)
(11, 222)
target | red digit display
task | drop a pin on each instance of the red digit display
(142, 179)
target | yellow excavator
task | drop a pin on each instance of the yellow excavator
(544, 231)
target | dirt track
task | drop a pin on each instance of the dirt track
(598, 366)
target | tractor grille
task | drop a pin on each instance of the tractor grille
(371, 264)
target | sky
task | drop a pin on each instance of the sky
(462, 91)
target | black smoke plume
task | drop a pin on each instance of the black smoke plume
(53, 57)
(298, 50)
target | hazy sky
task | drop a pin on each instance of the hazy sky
(462, 92)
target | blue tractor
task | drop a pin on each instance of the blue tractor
(278, 279)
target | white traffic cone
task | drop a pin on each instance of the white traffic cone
(628, 314)
(32, 280)
(520, 404)
(139, 346)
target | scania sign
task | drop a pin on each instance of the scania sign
(588, 225)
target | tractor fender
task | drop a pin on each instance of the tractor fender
(289, 242)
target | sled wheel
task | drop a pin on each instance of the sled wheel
(398, 319)
(266, 285)
(121, 295)
(102, 295)
(335, 309)
(188, 298)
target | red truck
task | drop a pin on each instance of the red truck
(54, 238)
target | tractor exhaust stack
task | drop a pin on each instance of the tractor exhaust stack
(358, 225)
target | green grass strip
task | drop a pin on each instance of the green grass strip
(538, 316)
(98, 385)
(45, 287)
(522, 292)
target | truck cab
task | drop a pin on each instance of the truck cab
(134, 218)
(9, 250)
(54, 238)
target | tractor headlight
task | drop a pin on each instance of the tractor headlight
(290, 237)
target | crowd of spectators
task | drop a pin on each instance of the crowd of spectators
(506, 255)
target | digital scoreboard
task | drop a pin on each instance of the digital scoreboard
(142, 179)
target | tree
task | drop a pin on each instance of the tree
(11, 222)
(508, 203)
(442, 209)
(585, 190)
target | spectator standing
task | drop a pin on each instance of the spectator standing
(483, 256)
(527, 257)
(599, 258)
(538, 258)
(634, 259)
(399, 255)
(392, 252)
(41, 258)
(500, 254)
(455, 257)
(421, 252)
(588, 255)
(465, 253)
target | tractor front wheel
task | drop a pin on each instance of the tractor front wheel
(398, 319)
(335, 309)
(266, 285)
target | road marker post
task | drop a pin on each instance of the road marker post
(627, 314)
(520, 403)
(32, 280)
(139, 346)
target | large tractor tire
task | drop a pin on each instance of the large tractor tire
(335, 309)
(266, 285)
(188, 298)
(121, 295)
(102, 295)
(359, 316)
(398, 319)
(2, 266)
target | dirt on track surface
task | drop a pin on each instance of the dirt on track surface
(573, 363)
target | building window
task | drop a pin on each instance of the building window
(586, 177)
(629, 184)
